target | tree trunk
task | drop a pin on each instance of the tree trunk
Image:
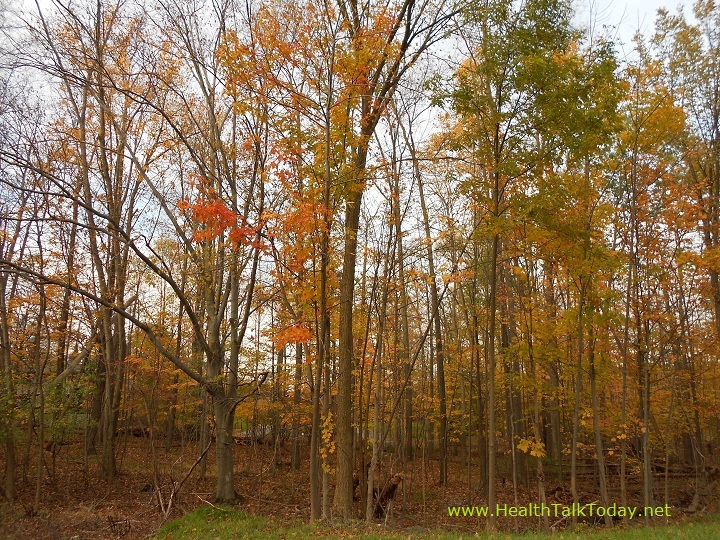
(492, 423)
(224, 419)
(404, 327)
(346, 362)
(295, 452)
(326, 414)
(437, 329)
(315, 468)
(172, 408)
(553, 373)
(604, 498)
(7, 410)
(536, 427)
(378, 439)
(577, 396)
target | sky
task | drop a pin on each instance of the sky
(626, 15)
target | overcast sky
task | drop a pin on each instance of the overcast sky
(627, 16)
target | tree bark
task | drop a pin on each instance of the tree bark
(224, 418)
(599, 451)
(346, 359)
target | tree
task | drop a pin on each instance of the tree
(215, 208)
(503, 99)
(383, 43)
(647, 146)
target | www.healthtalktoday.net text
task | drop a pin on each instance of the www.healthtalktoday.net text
(560, 510)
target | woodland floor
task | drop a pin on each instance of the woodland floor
(80, 505)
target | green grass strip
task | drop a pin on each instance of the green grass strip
(221, 523)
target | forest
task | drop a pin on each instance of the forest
(368, 260)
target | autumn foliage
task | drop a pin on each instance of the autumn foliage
(418, 251)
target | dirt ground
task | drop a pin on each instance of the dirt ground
(76, 503)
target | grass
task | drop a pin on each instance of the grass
(210, 523)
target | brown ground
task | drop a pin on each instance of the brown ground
(79, 504)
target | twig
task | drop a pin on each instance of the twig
(213, 505)
(176, 487)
